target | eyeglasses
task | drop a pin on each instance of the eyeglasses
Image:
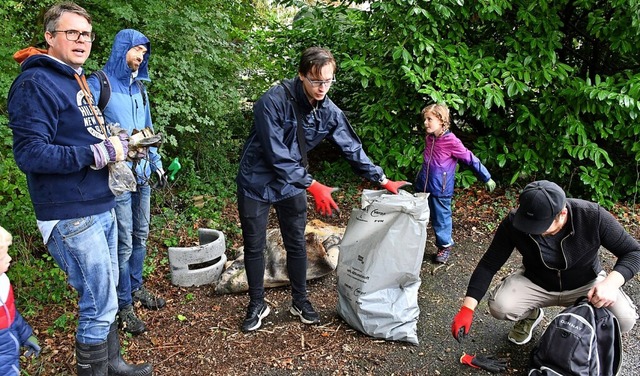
(75, 35)
(326, 83)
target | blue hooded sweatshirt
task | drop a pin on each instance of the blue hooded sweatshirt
(53, 127)
(126, 105)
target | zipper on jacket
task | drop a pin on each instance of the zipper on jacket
(564, 257)
(10, 324)
(558, 271)
(560, 279)
(444, 181)
(426, 178)
(135, 103)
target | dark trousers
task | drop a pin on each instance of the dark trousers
(292, 218)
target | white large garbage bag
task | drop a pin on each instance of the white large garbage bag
(379, 265)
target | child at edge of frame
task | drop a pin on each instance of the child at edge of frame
(14, 330)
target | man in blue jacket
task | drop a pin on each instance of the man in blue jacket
(63, 147)
(290, 119)
(128, 106)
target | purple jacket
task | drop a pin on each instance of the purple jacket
(441, 155)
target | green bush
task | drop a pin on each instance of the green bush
(542, 90)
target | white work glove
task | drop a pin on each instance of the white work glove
(113, 149)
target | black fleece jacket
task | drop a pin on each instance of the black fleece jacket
(591, 227)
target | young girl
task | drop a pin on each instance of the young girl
(442, 152)
(14, 331)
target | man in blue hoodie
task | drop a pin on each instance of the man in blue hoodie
(62, 145)
(125, 70)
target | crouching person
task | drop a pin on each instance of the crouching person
(559, 239)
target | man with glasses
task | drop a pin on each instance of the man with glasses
(290, 119)
(61, 144)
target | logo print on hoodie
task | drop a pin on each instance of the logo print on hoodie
(90, 121)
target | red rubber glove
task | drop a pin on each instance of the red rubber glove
(393, 186)
(322, 195)
(462, 323)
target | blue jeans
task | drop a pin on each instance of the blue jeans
(292, 218)
(441, 222)
(85, 249)
(133, 210)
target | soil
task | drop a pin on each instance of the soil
(198, 332)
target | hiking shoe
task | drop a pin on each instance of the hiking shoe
(129, 322)
(523, 329)
(256, 311)
(304, 310)
(147, 299)
(442, 256)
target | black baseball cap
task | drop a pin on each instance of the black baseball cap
(540, 202)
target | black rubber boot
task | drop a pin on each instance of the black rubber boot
(117, 365)
(91, 360)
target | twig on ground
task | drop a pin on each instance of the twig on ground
(171, 356)
(154, 348)
(292, 355)
(220, 328)
(446, 266)
(474, 229)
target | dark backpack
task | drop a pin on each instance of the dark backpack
(105, 90)
(580, 340)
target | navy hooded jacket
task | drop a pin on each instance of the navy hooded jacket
(53, 127)
(271, 166)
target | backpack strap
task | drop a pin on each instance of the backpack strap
(105, 89)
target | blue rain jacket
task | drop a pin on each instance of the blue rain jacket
(271, 166)
(126, 105)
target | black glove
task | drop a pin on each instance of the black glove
(487, 363)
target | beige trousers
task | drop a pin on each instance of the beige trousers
(516, 297)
